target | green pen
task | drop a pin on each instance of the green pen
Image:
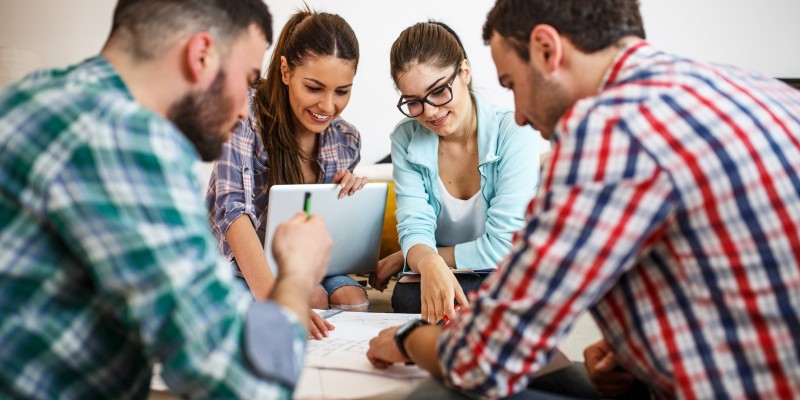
(307, 204)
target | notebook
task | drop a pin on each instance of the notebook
(355, 222)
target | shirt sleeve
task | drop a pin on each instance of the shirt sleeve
(353, 143)
(515, 179)
(230, 192)
(132, 214)
(604, 201)
(416, 220)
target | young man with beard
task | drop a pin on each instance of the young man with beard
(670, 209)
(108, 264)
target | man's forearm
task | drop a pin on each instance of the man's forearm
(421, 346)
(294, 292)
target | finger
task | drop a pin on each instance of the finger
(460, 296)
(608, 363)
(378, 363)
(346, 184)
(358, 183)
(352, 184)
(372, 357)
(341, 179)
(439, 307)
(318, 321)
(447, 306)
(592, 354)
(431, 315)
(314, 331)
(373, 281)
(376, 282)
(424, 310)
(338, 176)
(364, 181)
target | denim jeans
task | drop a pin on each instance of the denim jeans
(333, 283)
(406, 297)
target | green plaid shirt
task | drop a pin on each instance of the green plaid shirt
(107, 262)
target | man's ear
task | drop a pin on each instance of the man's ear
(284, 70)
(202, 59)
(545, 46)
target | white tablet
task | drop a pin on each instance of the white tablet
(355, 222)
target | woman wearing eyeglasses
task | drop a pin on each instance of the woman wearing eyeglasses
(294, 135)
(463, 170)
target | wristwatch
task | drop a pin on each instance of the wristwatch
(402, 333)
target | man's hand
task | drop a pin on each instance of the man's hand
(302, 248)
(348, 182)
(608, 378)
(388, 267)
(383, 352)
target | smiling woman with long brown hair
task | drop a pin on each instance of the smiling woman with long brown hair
(294, 135)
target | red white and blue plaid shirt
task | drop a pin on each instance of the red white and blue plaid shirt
(671, 210)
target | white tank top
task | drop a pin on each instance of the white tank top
(459, 221)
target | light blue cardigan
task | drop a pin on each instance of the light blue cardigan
(508, 161)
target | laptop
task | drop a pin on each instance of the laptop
(355, 222)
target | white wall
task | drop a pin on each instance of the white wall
(754, 34)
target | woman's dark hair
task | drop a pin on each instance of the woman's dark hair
(307, 34)
(590, 25)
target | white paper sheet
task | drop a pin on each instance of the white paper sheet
(346, 346)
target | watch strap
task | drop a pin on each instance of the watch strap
(402, 333)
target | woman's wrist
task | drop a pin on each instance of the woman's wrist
(431, 261)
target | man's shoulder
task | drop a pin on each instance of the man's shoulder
(54, 114)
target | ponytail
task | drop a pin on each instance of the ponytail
(306, 34)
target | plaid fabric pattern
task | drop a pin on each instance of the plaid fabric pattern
(107, 262)
(238, 183)
(670, 209)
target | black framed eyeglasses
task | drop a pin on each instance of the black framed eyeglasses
(437, 97)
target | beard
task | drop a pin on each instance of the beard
(203, 116)
(554, 101)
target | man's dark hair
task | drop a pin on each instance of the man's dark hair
(590, 25)
(149, 26)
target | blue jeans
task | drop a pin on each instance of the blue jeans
(329, 284)
(333, 283)
(406, 297)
